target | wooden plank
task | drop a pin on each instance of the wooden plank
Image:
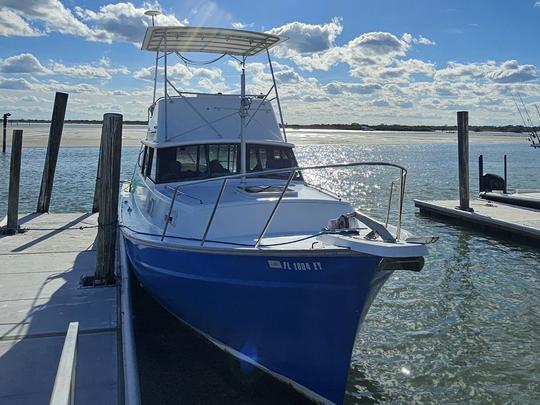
(108, 197)
(55, 135)
(64, 384)
(41, 294)
(14, 181)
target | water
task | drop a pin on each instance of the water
(465, 329)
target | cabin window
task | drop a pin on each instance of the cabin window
(194, 162)
(148, 163)
(270, 157)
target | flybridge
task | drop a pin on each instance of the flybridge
(237, 44)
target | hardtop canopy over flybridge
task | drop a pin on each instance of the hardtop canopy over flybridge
(212, 40)
(230, 120)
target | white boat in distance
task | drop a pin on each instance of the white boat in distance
(222, 229)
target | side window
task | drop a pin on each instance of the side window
(149, 163)
(142, 159)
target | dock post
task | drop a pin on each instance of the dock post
(14, 181)
(4, 129)
(463, 159)
(111, 141)
(53, 146)
(95, 204)
(480, 173)
(505, 176)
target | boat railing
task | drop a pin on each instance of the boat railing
(292, 173)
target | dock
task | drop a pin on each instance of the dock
(504, 219)
(40, 295)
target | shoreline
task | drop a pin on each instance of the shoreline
(79, 136)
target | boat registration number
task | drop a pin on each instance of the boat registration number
(301, 266)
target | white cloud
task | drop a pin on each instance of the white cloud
(14, 84)
(23, 63)
(241, 26)
(313, 46)
(182, 73)
(52, 14)
(119, 22)
(537, 4)
(511, 72)
(355, 88)
(12, 25)
(419, 40)
(123, 22)
(82, 71)
(309, 38)
(507, 72)
(26, 63)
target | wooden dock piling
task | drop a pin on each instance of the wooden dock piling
(95, 204)
(14, 181)
(480, 173)
(4, 129)
(109, 183)
(463, 159)
(53, 146)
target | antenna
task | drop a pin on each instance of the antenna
(152, 13)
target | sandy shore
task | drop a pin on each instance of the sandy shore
(35, 135)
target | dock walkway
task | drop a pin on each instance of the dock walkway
(512, 221)
(40, 294)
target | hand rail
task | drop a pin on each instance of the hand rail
(64, 383)
(265, 228)
(293, 171)
(213, 211)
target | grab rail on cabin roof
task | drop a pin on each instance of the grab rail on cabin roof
(293, 171)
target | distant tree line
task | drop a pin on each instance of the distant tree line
(352, 126)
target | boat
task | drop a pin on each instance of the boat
(224, 231)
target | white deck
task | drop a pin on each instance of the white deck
(520, 221)
(39, 295)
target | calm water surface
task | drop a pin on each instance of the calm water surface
(465, 329)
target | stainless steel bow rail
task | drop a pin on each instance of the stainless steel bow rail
(293, 171)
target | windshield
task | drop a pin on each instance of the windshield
(195, 162)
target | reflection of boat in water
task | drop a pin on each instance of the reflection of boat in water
(224, 232)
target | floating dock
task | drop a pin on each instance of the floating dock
(528, 200)
(510, 221)
(40, 295)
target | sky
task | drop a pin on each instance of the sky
(365, 61)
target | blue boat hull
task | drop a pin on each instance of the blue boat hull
(295, 315)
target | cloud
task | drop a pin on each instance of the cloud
(14, 84)
(181, 73)
(23, 63)
(408, 38)
(355, 88)
(26, 63)
(242, 26)
(30, 99)
(537, 4)
(309, 38)
(313, 46)
(52, 14)
(82, 71)
(507, 72)
(119, 22)
(12, 25)
(123, 22)
(511, 72)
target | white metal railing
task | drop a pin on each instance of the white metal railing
(64, 383)
(292, 171)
